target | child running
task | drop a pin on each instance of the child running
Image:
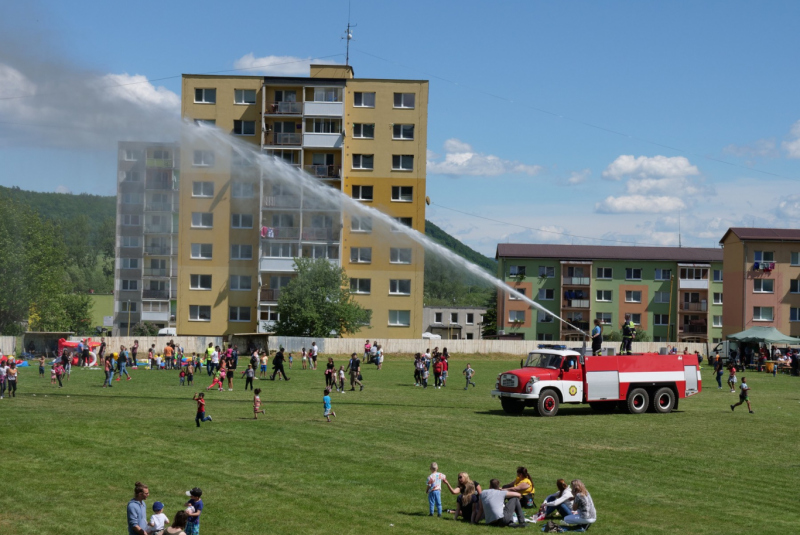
(732, 378)
(434, 489)
(468, 373)
(201, 409)
(218, 375)
(326, 404)
(341, 379)
(744, 395)
(257, 403)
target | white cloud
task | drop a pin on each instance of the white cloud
(278, 65)
(461, 160)
(792, 144)
(63, 189)
(645, 167)
(137, 90)
(579, 177)
(637, 204)
(789, 207)
(765, 148)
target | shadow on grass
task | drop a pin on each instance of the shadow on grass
(582, 411)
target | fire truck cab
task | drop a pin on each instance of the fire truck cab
(634, 383)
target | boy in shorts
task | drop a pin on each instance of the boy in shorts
(744, 396)
(326, 404)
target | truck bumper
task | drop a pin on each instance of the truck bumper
(499, 394)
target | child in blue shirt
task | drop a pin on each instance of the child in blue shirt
(326, 404)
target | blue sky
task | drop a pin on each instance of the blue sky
(597, 121)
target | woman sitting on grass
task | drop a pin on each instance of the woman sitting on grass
(524, 485)
(561, 501)
(583, 511)
(468, 492)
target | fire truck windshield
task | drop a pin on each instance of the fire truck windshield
(538, 360)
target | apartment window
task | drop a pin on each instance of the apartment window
(130, 241)
(199, 282)
(794, 314)
(241, 220)
(544, 337)
(716, 321)
(205, 96)
(404, 100)
(661, 297)
(202, 220)
(604, 317)
(400, 318)
(633, 274)
(399, 255)
(762, 314)
(633, 296)
(361, 255)
(542, 317)
(470, 336)
(130, 263)
(547, 272)
(128, 306)
(795, 259)
(281, 250)
(360, 286)
(437, 317)
(129, 285)
(663, 274)
(794, 286)
(130, 176)
(604, 273)
(205, 122)
(362, 193)
(202, 189)
(546, 294)
(131, 220)
(130, 155)
(327, 94)
(131, 198)
(717, 298)
(454, 318)
(361, 224)
(764, 286)
(402, 193)
(199, 313)
(203, 158)
(407, 221)
(694, 273)
(402, 162)
(516, 271)
(636, 319)
(244, 96)
(764, 256)
(470, 318)
(239, 314)
(241, 283)
(660, 319)
(242, 252)
(717, 275)
(516, 316)
(363, 131)
(400, 286)
(515, 297)
(244, 128)
(242, 190)
(363, 161)
(403, 131)
(663, 339)
(604, 296)
(363, 100)
(202, 251)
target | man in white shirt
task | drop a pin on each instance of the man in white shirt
(494, 511)
(314, 354)
(215, 359)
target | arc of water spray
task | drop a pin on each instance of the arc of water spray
(283, 172)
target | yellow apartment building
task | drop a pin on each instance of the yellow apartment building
(240, 232)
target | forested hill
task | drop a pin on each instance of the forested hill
(63, 205)
(442, 237)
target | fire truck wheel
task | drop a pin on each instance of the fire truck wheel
(548, 403)
(664, 400)
(512, 406)
(603, 406)
(638, 401)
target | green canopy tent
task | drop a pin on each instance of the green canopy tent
(764, 335)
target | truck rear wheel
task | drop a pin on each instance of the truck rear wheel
(638, 400)
(603, 406)
(548, 403)
(664, 400)
(512, 406)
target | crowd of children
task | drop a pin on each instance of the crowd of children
(440, 363)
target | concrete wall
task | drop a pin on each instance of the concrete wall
(8, 345)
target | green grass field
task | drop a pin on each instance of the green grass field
(69, 457)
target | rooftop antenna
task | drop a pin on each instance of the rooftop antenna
(679, 228)
(348, 35)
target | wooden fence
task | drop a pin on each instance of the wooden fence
(8, 345)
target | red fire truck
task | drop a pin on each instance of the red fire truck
(634, 383)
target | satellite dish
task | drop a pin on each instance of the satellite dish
(427, 200)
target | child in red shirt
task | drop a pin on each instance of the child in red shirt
(201, 409)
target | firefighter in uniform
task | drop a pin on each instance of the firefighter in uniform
(628, 334)
(597, 338)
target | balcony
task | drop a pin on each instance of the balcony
(582, 325)
(694, 307)
(576, 303)
(320, 234)
(284, 108)
(280, 233)
(160, 250)
(161, 185)
(693, 329)
(160, 162)
(155, 316)
(160, 207)
(284, 139)
(693, 284)
(283, 264)
(159, 272)
(324, 171)
(326, 204)
(281, 201)
(575, 281)
(323, 141)
(324, 109)
(159, 294)
(158, 228)
(270, 295)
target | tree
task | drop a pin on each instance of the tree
(145, 328)
(318, 303)
(489, 327)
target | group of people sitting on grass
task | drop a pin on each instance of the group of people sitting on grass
(504, 505)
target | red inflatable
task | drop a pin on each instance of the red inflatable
(73, 346)
(4, 360)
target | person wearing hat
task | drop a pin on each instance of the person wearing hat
(158, 520)
(193, 524)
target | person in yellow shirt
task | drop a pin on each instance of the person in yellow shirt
(524, 485)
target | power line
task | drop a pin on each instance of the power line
(580, 121)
